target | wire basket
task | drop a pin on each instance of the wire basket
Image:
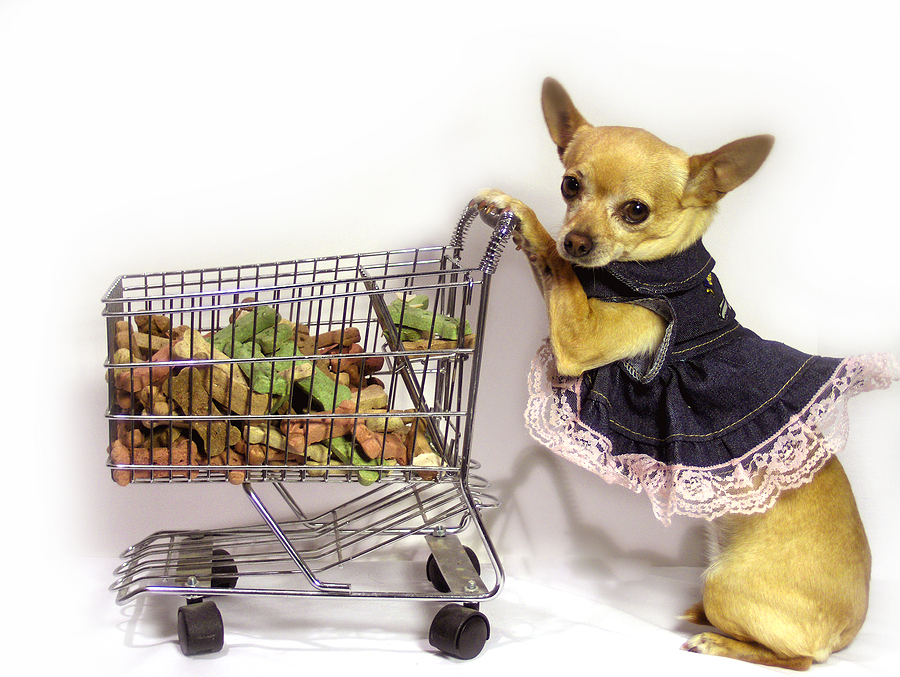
(357, 369)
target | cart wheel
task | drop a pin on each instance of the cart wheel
(200, 629)
(459, 631)
(433, 571)
(224, 571)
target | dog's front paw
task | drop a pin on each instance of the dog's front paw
(529, 236)
(491, 203)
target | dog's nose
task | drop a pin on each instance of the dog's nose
(578, 244)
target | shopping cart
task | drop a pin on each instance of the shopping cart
(356, 375)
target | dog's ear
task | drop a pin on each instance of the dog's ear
(563, 119)
(712, 175)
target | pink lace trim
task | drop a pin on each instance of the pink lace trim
(745, 485)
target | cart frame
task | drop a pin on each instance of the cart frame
(383, 500)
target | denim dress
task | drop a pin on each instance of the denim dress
(718, 420)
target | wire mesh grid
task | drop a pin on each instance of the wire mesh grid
(347, 368)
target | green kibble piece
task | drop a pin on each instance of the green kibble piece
(241, 330)
(272, 339)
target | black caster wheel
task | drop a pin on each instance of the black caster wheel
(433, 571)
(459, 631)
(224, 571)
(200, 629)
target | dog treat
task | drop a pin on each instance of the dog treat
(258, 454)
(375, 445)
(420, 449)
(344, 451)
(155, 325)
(231, 458)
(317, 455)
(146, 344)
(263, 376)
(274, 337)
(239, 340)
(337, 337)
(323, 389)
(135, 379)
(427, 459)
(190, 392)
(369, 398)
(183, 452)
(266, 435)
(432, 343)
(378, 445)
(231, 391)
(155, 400)
(391, 424)
(302, 433)
(243, 328)
(355, 368)
(422, 329)
(192, 345)
(248, 370)
(271, 339)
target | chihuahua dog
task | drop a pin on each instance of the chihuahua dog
(786, 586)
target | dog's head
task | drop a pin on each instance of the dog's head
(631, 196)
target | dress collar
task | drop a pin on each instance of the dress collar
(668, 275)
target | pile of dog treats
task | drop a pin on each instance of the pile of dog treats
(422, 329)
(183, 375)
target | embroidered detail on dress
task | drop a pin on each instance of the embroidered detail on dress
(748, 484)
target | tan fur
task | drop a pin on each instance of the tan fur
(788, 586)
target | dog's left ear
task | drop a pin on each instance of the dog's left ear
(712, 175)
(562, 118)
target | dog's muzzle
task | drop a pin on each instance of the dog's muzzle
(578, 245)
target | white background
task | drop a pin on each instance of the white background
(152, 136)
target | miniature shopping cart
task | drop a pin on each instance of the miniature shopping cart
(355, 375)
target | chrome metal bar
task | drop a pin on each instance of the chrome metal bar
(289, 548)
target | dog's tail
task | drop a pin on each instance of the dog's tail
(695, 615)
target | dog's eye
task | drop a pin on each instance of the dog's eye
(635, 212)
(570, 187)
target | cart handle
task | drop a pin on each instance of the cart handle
(504, 225)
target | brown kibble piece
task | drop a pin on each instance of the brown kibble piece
(326, 341)
(135, 379)
(184, 452)
(155, 401)
(189, 390)
(230, 458)
(128, 435)
(375, 444)
(156, 325)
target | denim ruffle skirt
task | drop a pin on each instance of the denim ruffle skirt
(719, 420)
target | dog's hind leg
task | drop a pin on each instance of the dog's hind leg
(789, 586)
(711, 644)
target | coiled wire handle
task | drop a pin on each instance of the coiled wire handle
(506, 223)
(458, 241)
(503, 231)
